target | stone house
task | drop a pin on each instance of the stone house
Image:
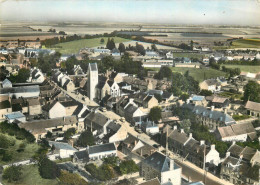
(218, 102)
(211, 85)
(64, 150)
(69, 85)
(236, 132)
(160, 166)
(56, 126)
(197, 100)
(54, 110)
(253, 108)
(150, 102)
(70, 106)
(34, 107)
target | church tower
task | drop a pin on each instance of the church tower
(92, 80)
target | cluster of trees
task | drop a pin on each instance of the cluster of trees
(52, 30)
(23, 75)
(71, 178)
(121, 48)
(109, 168)
(251, 92)
(14, 130)
(85, 139)
(232, 72)
(48, 169)
(110, 44)
(12, 173)
(3, 73)
(181, 84)
(155, 114)
(5, 144)
(244, 62)
(70, 132)
(47, 62)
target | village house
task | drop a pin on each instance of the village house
(241, 165)
(36, 76)
(187, 65)
(135, 148)
(77, 70)
(96, 152)
(11, 117)
(54, 110)
(218, 102)
(236, 132)
(56, 126)
(62, 150)
(211, 85)
(149, 127)
(188, 147)
(34, 106)
(70, 106)
(160, 166)
(154, 181)
(253, 108)
(211, 117)
(6, 84)
(21, 91)
(197, 100)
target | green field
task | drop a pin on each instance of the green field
(245, 68)
(28, 152)
(73, 47)
(246, 43)
(197, 74)
(30, 175)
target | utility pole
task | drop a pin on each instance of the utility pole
(167, 141)
(204, 164)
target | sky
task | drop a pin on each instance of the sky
(226, 12)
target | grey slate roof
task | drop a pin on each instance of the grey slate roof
(81, 154)
(60, 145)
(159, 162)
(101, 148)
(93, 66)
(21, 89)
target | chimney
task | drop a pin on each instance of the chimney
(202, 142)
(212, 108)
(227, 154)
(212, 147)
(182, 131)
(175, 127)
(171, 164)
(225, 110)
(190, 135)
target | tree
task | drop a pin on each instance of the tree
(155, 114)
(184, 97)
(205, 92)
(111, 161)
(23, 75)
(12, 173)
(158, 97)
(251, 92)
(49, 134)
(48, 169)
(3, 73)
(70, 132)
(71, 178)
(140, 49)
(165, 72)
(102, 40)
(121, 48)
(86, 138)
(154, 47)
(7, 156)
(128, 166)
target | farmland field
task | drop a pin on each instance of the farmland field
(73, 47)
(197, 74)
(245, 68)
(246, 43)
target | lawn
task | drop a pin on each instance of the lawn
(28, 152)
(197, 74)
(73, 47)
(30, 175)
(245, 68)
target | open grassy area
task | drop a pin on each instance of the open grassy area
(240, 117)
(197, 74)
(246, 43)
(30, 175)
(231, 95)
(73, 47)
(28, 152)
(245, 68)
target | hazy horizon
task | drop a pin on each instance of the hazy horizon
(187, 12)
